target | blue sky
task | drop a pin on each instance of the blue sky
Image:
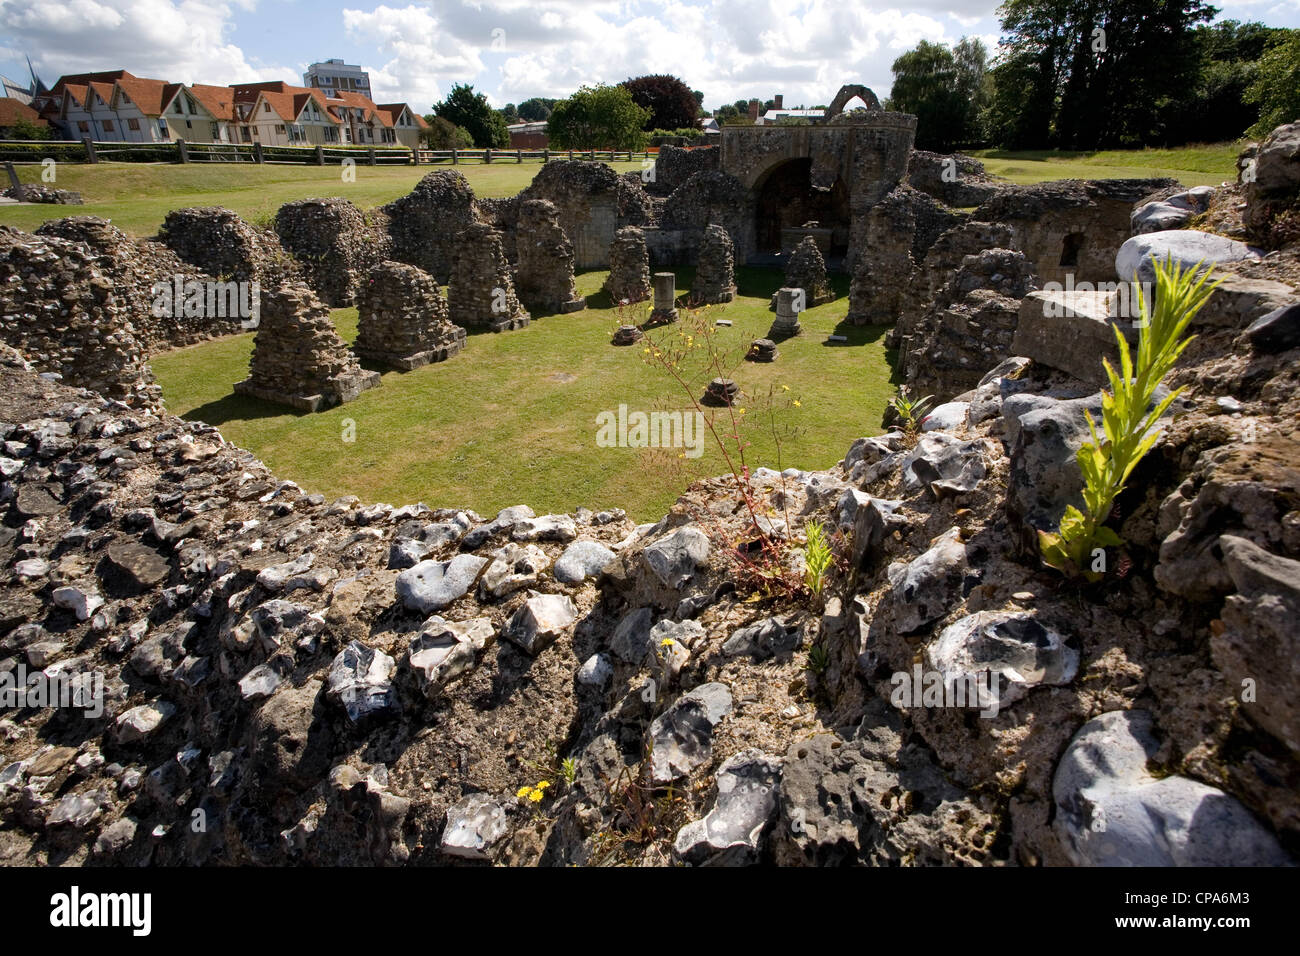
(510, 49)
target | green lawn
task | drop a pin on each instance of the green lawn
(512, 419)
(1206, 165)
(137, 196)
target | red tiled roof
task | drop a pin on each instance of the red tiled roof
(150, 96)
(217, 100)
(81, 79)
(12, 110)
(395, 110)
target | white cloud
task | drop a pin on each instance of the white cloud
(185, 41)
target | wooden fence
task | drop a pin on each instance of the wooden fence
(179, 151)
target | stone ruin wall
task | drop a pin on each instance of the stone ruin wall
(402, 318)
(59, 306)
(298, 357)
(481, 294)
(217, 242)
(673, 166)
(334, 243)
(425, 223)
(715, 270)
(629, 267)
(592, 202)
(544, 266)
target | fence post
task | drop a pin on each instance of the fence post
(91, 155)
(257, 153)
(546, 156)
(183, 151)
(519, 156)
(13, 179)
(320, 155)
(371, 156)
(415, 155)
(487, 155)
(570, 154)
(455, 156)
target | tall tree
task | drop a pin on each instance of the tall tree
(1092, 73)
(671, 103)
(926, 84)
(535, 109)
(598, 117)
(1277, 87)
(465, 108)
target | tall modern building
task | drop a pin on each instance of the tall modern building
(334, 76)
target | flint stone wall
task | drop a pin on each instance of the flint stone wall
(425, 223)
(970, 186)
(592, 202)
(674, 166)
(218, 242)
(1072, 226)
(402, 318)
(60, 307)
(335, 244)
(715, 273)
(481, 294)
(629, 267)
(298, 358)
(144, 274)
(544, 267)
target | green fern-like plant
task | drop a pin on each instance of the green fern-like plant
(909, 409)
(818, 556)
(1128, 419)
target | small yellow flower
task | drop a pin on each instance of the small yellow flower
(536, 796)
(543, 785)
(785, 388)
(798, 404)
(740, 411)
(523, 792)
(666, 642)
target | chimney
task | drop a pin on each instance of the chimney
(754, 107)
(777, 101)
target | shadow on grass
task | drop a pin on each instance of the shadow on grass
(234, 407)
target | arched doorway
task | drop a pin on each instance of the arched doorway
(786, 200)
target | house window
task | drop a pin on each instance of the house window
(189, 124)
(83, 126)
(179, 110)
(390, 136)
(164, 130)
(133, 124)
(108, 126)
(279, 128)
(216, 131)
(331, 134)
(266, 107)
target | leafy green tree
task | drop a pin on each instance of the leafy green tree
(1276, 88)
(471, 111)
(443, 134)
(1083, 74)
(598, 117)
(671, 103)
(23, 128)
(536, 109)
(509, 113)
(926, 84)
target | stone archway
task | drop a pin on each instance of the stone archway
(785, 199)
(846, 93)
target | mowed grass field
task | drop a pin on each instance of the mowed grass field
(138, 196)
(512, 419)
(1201, 165)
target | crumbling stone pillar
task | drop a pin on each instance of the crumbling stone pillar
(787, 317)
(807, 270)
(715, 272)
(425, 224)
(883, 271)
(402, 319)
(544, 272)
(59, 307)
(334, 244)
(481, 294)
(298, 358)
(629, 267)
(665, 308)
